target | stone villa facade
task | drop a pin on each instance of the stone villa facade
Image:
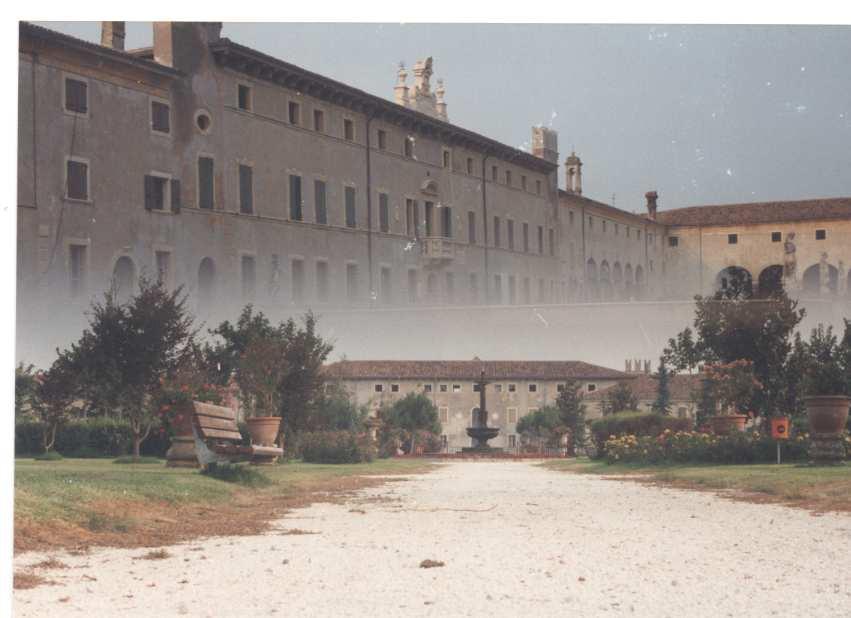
(245, 178)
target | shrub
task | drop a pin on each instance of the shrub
(635, 424)
(336, 447)
(48, 456)
(129, 459)
(234, 473)
(91, 437)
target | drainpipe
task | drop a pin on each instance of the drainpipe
(700, 253)
(584, 257)
(372, 294)
(487, 282)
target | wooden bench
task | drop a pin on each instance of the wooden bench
(217, 438)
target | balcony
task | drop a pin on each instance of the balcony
(436, 249)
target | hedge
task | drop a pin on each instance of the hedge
(335, 447)
(92, 437)
(635, 424)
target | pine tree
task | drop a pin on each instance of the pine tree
(662, 404)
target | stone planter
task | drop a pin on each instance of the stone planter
(725, 424)
(827, 416)
(263, 429)
(181, 453)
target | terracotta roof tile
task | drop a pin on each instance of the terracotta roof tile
(758, 212)
(644, 387)
(470, 370)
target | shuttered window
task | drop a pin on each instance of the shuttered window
(160, 117)
(320, 204)
(162, 193)
(384, 212)
(246, 190)
(446, 221)
(351, 213)
(295, 198)
(471, 227)
(205, 183)
(77, 180)
(76, 96)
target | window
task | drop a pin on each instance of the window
(408, 147)
(497, 288)
(160, 117)
(552, 235)
(163, 263)
(541, 239)
(538, 190)
(681, 412)
(471, 227)
(496, 238)
(673, 241)
(523, 182)
(412, 285)
(775, 236)
(352, 282)
(351, 215)
(444, 388)
(533, 388)
(77, 179)
(510, 225)
(469, 165)
(246, 189)
(322, 282)
(249, 277)
(531, 410)
(76, 96)
(297, 267)
(494, 173)
(295, 198)
(427, 388)
(591, 388)
(446, 221)
(450, 287)
(512, 415)
(379, 388)
(638, 234)
(447, 159)
(604, 226)
(821, 234)
(205, 183)
(525, 237)
(319, 120)
(348, 130)
(77, 269)
(383, 212)
(508, 177)
(443, 415)
(590, 223)
(382, 139)
(429, 219)
(560, 388)
(617, 229)
(412, 214)
(570, 220)
(512, 441)
(477, 388)
(386, 286)
(244, 97)
(512, 388)
(319, 202)
(474, 288)
(156, 192)
(732, 239)
(527, 291)
(294, 113)
(394, 388)
(456, 388)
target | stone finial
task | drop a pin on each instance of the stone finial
(401, 89)
(440, 103)
(422, 75)
(651, 196)
(573, 173)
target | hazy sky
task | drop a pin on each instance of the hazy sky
(702, 114)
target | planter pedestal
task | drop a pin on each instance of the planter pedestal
(181, 453)
(827, 416)
(725, 424)
(827, 449)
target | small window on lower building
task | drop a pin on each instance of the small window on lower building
(469, 165)
(408, 147)
(394, 388)
(456, 388)
(379, 388)
(382, 139)
(77, 269)
(732, 239)
(538, 191)
(163, 259)
(591, 388)
(533, 388)
(560, 388)
(512, 388)
(294, 113)
(427, 388)
(497, 388)
(512, 415)
(243, 97)
(477, 388)
(249, 277)
(383, 212)
(447, 159)
(775, 237)
(76, 96)
(348, 130)
(821, 234)
(443, 415)
(444, 388)
(673, 241)
(319, 120)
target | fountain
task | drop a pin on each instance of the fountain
(480, 432)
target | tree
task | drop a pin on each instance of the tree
(732, 326)
(335, 411)
(572, 414)
(130, 349)
(662, 403)
(258, 374)
(53, 396)
(25, 384)
(543, 426)
(618, 398)
(222, 358)
(405, 417)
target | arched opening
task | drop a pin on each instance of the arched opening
(639, 282)
(812, 280)
(628, 280)
(734, 282)
(605, 280)
(591, 279)
(770, 282)
(206, 283)
(123, 279)
(431, 287)
(617, 280)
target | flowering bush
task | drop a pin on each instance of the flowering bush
(735, 384)
(336, 447)
(635, 424)
(174, 402)
(701, 447)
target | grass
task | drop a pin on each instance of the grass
(76, 503)
(129, 459)
(815, 488)
(235, 473)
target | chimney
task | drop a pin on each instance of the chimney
(651, 196)
(112, 34)
(401, 89)
(183, 45)
(545, 144)
(440, 103)
(573, 174)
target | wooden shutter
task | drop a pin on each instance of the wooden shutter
(149, 192)
(175, 195)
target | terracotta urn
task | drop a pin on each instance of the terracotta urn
(181, 453)
(263, 429)
(725, 424)
(827, 415)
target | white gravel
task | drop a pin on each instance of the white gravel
(541, 543)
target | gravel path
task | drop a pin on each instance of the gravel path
(516, 540)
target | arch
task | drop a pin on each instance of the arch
(617, 280)
(206, 282)
(429, 186)
(123, 278)
(638, 287)
(811, 281)
(605, 280)
(734, 282)
(591, 278)
(770, 281)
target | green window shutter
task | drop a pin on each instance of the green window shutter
(149, 192)
(175, 196)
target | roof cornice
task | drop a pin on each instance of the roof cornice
(261, 66)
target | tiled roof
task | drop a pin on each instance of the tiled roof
(581, 200)
(758, 212)
(470, 370)
(644, 387)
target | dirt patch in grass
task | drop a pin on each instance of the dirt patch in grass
(296, 532)
(430, 564)
(50, 563)
(23, 580)
(155, 554)
(133, 522)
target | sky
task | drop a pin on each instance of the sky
(702, 114)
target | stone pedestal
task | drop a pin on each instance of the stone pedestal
(181, 453)
(827, 449)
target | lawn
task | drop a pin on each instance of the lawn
(76, 503)
(816, 488)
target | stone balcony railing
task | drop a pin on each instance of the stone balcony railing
(437, 248)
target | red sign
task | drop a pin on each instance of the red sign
(780, 428)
